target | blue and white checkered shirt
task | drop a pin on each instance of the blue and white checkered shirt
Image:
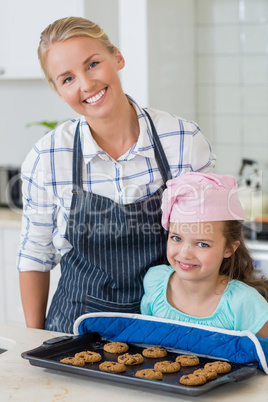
(47, 178)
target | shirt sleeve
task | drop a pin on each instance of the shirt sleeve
(36, 251)
(203, 159)
(250, 308)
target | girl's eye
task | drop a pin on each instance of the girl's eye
(203, 245)
(176, 238)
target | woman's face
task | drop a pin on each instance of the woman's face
(196, 250)
(85, 75)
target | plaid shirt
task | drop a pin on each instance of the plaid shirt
(47, 178)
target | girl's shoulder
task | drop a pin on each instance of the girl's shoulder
(240, 292)
(157, 274)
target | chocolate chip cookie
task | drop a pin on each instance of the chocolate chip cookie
(130, 360)
(187, 360)
(151, 374)
(88, 356)
(154, 352)
(112, 367)
(75, 361)
(193, 379)
(210, 374)
(115, 347)
(219, 366)
(167, 366)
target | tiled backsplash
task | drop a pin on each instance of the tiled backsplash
(232, 80)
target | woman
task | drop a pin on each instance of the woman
(92, 188)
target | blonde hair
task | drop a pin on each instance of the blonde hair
(66, 28)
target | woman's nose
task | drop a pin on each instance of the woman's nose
(87, 84)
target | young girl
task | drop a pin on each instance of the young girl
(92, 188)
(210, 279)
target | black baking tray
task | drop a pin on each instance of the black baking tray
(49, 354)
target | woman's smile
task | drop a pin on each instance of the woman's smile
(93, 100)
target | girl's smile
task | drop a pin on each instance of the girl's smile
(196, 251)
(186, 267)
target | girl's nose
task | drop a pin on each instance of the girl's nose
(186, 250)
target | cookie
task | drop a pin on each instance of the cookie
(130, 360)
(75, 361)
(115, 347)
(167, 366)
(154, 352)
(187, 360)
(151, 374)
(88, 356)
(208, 373)
(219, 367)
(193, 379)
(112, 367)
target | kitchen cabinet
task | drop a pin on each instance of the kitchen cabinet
(11, 311)
(20, 33)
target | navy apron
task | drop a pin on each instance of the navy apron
(113, 246)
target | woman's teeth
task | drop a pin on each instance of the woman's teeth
(96, 97)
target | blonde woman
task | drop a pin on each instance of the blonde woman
(92, 188)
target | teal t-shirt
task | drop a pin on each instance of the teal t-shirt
(241, 307)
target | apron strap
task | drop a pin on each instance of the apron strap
(160, 156)
(77, 160)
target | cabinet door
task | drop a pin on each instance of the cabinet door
(11, 311)
(2, 282)
(12, 303)
(21, 23)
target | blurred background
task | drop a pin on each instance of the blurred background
(204, 60)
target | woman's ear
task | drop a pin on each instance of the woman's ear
(231, 249)
(119, 60)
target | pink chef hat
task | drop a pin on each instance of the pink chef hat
(198, 197)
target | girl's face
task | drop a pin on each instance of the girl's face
(85, 75)
(196, 250)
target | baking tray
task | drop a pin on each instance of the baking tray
(49, 354)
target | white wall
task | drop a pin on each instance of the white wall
(232, 80)
(207, 61)
(22, 102)
(171, 52)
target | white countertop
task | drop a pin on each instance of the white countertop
(20, 381)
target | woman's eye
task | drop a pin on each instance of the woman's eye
(67, 80)
(93, 64)
(176, 238)
(203, 245)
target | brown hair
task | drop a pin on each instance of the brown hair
(66, 28)
(240, 265)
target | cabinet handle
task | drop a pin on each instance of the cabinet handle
(2, 70)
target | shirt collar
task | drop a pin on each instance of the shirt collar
(144, 145)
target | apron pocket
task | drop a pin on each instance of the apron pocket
(94, 304)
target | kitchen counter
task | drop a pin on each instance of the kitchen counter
(20, 381)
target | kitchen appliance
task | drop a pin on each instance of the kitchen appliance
(10, 187)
